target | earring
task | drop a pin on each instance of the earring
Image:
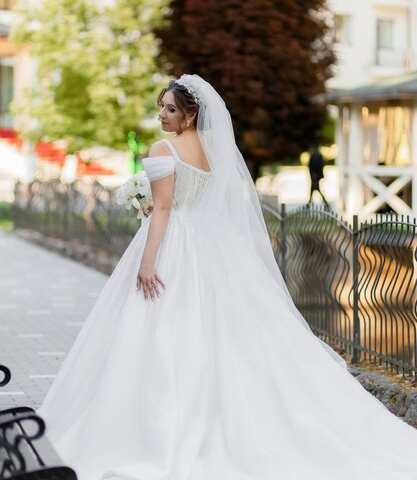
(188, 122)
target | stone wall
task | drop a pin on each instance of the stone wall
(399, 398)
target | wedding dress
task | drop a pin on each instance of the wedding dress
(218, 379)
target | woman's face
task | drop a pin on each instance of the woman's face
(169, 114)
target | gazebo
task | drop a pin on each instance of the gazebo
(377, 138)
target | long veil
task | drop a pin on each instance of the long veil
(231, 195)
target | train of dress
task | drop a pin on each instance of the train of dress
(214, 380)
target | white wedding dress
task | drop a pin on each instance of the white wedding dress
(214, 380)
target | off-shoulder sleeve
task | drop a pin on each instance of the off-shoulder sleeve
(158, 167)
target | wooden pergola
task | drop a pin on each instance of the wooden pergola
(377, 138)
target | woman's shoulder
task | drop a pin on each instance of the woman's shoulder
(159, 156)
(160, 161)
(159, 149)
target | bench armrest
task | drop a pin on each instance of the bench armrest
(11, 421)
(6, 375)
(48, 473)
(14, 410)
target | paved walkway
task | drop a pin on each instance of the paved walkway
(44, 299)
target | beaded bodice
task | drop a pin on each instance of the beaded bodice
(190, 182)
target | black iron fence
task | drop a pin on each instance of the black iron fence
(80, 211)
(354, 284)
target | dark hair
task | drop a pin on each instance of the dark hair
(183, 99)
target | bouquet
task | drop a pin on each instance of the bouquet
(136, 192)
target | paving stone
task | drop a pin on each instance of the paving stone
(44, 300)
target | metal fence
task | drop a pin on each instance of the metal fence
(354, 284)
(80, 211)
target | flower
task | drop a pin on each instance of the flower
(135, 192)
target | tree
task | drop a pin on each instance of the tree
(96, 71)
(267, 58)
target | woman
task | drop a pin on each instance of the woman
(194, 363)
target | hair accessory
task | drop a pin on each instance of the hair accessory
(185, 82)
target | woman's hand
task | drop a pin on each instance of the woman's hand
(148, 279)
(148, 211)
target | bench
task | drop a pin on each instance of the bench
(25, 452)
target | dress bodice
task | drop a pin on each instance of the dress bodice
(190, 181)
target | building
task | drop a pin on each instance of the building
(377, 138)
(17, 68)
(375, 39)
(375, 92)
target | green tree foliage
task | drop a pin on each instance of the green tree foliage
(267, 58)
(95, 68)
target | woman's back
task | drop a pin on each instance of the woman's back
(190, 151)
(190, 180)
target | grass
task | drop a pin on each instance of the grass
(6, 222)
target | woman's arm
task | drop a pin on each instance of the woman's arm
(162, 196)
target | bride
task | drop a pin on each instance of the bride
(194, 363)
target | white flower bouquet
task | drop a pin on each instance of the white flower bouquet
(136, 192)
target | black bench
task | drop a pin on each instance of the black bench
(25, 452)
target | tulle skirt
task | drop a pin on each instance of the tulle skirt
(214, 380)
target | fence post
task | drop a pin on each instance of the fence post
(66, 196)
(355, 289)
(283, 242)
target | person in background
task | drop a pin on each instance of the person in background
(315, 167)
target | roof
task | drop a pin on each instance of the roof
(393, 88)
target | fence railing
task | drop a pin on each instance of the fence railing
(355, 283)
(86, 212)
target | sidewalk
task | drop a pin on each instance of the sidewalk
(44, 299)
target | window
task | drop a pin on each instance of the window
(385, 33)
(387, 52)
(343, 28)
